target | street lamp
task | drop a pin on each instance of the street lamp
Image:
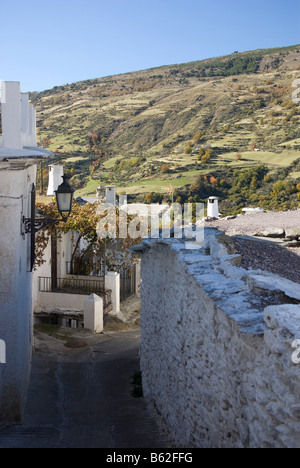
(64, 198)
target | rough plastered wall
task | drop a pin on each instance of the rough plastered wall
(15, 291)
(217, 366)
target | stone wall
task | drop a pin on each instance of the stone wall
(216, 362)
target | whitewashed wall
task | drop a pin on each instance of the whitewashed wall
(219, 372)
(15, 290)
(64, 251)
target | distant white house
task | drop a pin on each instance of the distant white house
(253, 210)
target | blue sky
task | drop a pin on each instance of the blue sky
(49, 43)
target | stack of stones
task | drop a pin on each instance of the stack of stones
(290, 237)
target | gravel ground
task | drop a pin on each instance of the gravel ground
(263, 255)
(257, 222)
(269, 257)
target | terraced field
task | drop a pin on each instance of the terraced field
(226, 104)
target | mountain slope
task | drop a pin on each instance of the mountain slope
(163, 116)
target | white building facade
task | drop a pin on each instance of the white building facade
(19, 157)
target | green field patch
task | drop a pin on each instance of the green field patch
(75, 159)
(111, 162)
(89, 189)
(155, 185)
(284, 159)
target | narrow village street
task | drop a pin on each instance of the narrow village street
(83, 397)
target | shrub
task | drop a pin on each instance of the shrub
(149, 198)
(165, 168)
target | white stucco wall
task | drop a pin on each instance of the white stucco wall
(15, 289)
(18, 158)
(217, 367)
(61, 302)
(64, 251)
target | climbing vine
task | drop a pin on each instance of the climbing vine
(83, 221)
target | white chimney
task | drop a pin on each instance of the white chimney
(11, 114)
(213, 207)
(55, 179)
(100, 193)
(122, 200)
(111, 194)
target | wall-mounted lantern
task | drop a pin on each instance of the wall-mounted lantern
(64, 199)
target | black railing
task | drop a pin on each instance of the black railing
(85, 268)
(72, 285)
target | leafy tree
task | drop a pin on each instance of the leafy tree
(165, 168)
(201, 152)
(197, 137)
(207, 156)
(149, 198)
(83, 221)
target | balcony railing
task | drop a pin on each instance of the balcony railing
(86, 268)
(72, 285)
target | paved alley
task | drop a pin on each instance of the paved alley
(82, 398)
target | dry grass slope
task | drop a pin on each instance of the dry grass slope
(227, 103)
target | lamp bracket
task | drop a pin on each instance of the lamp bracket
(35, 225)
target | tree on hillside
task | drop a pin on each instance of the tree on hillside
(149, 198)
(206, 158)
(201, 153)
(165, 168)
(197, 137)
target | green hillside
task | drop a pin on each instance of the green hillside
(145, 129)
